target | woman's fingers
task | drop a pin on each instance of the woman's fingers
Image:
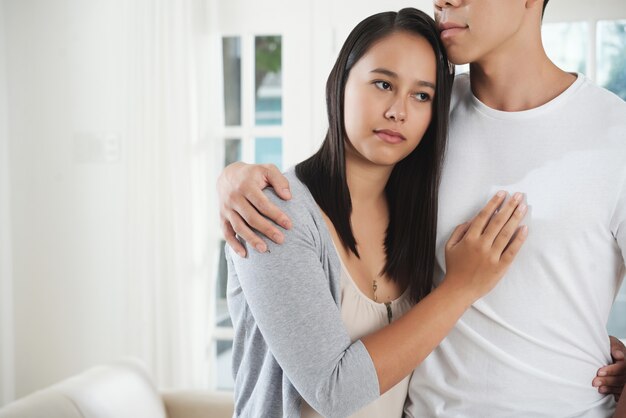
(457, 235)
(511, 251)
(509, 229)
(500, 219)
(480, 221)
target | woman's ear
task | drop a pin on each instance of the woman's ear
(534, 3)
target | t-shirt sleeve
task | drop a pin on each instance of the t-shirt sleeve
(288, 294)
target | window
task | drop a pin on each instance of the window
(611, 58)
(569, 46)
(253, 132)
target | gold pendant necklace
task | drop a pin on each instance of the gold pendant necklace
(387, 304)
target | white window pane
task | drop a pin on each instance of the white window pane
(232, 151)
(268, 151)
(222, 317)
(567, 44)
(231, 54)
(268, 80)
(223, 356)
(617, 321)
(611, 48)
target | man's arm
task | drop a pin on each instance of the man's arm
(610, 379)
(244, 207)
(620, 412)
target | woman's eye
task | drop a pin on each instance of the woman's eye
(383, 85)
(422, 97)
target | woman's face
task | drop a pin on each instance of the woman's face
(388, 99)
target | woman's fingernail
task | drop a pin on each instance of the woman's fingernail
(522, 208)
(601, 373)
(260, 248)
(501, 193)
(277, 238)
(517, 197)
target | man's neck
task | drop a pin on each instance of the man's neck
(520, 81)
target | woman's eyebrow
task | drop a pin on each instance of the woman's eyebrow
(392, 74)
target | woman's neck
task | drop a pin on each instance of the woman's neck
(366, 181)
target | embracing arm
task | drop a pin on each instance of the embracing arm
(243, 205)
(289, 296)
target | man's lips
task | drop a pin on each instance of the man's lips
(389, 136)
(450, 29)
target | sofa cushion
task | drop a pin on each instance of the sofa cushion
(121, 390)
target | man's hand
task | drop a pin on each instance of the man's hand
(610, 379)
(243, 204)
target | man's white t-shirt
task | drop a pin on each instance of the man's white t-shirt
(532, 346)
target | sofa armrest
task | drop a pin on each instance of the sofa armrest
(198, 404)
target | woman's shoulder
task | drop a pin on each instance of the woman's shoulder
(302, 205)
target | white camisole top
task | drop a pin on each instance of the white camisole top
(362, 316)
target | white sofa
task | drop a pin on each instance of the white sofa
(120, 390)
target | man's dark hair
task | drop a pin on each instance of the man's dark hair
(545, 3)
(412, 188)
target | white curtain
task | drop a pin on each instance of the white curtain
(168, 256)
(7, 340)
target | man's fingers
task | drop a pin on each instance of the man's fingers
(231, 239)
(616, 369)
(613, 381)
(279, 182)
(255, 220)
(243, 230)
(259, 200)
(612, 390)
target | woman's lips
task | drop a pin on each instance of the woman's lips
(390, 137)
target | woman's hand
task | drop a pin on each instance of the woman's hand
(243, 206)
(480, 251)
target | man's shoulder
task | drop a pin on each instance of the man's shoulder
(604, 100)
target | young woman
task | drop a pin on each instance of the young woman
(316, 332)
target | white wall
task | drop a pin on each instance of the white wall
(7, 343)
(580, 10)
(64, 60)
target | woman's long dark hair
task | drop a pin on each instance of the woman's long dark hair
(412, 188)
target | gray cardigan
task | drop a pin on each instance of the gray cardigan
(290, 342)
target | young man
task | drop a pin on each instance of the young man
(518, 122)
